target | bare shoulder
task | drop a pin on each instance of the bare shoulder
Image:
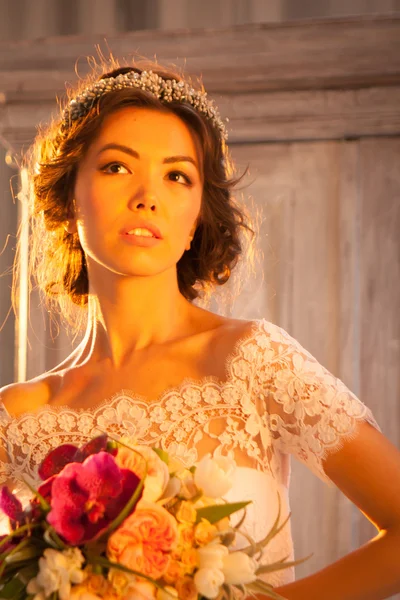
(28, 396)
(228, 331)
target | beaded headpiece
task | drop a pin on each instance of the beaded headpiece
(166, 90)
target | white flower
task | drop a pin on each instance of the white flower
(57, 570)
(173, 488)
(215, 475)
(238, 568)
(208, 582)
(212, 556)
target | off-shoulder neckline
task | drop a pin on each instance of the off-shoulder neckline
(187, 382)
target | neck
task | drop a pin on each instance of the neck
(129, 314)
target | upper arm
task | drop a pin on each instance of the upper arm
(366, 469)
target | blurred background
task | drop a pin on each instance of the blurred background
(312, 92)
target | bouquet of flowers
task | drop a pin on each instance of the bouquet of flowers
(118, 521)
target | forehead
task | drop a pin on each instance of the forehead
(147, 129)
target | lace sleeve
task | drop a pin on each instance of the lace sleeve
(310, 412)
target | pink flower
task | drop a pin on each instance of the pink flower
(136, 460)
(10, 505)
(144, 540)
(86, 497)
(65, 454)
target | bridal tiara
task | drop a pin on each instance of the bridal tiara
(166, 90)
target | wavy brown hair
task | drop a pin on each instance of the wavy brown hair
(57, 260)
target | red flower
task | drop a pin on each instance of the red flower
(86, 497)
(65, 454)
(10, 505)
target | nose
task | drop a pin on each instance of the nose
(144, 197)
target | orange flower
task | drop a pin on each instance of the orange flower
(186, 513)
(143, 542)
(157, 471)
(186, 589)
(186, 534)
(204, 532)
(175, 571)
(85, 592)
(189, 559)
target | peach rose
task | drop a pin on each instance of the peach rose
(143, 542)
(186, 589)
(157, 471)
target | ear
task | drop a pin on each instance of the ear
(70, 226)
(70, 223)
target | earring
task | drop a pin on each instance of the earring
(188, 244)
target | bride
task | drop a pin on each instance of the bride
(133, 219)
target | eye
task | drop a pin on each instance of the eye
(114, 168)
(177, 176)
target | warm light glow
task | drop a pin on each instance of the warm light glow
(23, 300)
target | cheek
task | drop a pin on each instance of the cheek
(96, 203)
(186, 213)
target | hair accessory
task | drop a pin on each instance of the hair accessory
(166, 90)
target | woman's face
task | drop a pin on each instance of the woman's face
(142, 170)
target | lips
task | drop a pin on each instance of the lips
(141, 224)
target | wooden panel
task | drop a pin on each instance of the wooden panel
(380, 284)
(269, 184)
(328, 240)
(316, 54)
(8, 228)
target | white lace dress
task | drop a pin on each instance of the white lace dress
(276, 401)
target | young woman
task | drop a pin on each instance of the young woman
(132, 219)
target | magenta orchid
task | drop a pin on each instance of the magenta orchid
(56, 460)
(87, 497)
(10, 505)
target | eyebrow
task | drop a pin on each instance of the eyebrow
(131, 152)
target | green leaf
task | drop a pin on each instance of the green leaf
(29, 572)
(17, 532)
(12, 589)
(219, 511)
(43, 503)
(52, 538)
(9, 558)
(23, 555)
(162, 454)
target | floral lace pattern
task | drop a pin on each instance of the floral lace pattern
(277, 400)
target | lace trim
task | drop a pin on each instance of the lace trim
(187, 382)
(277, 400)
